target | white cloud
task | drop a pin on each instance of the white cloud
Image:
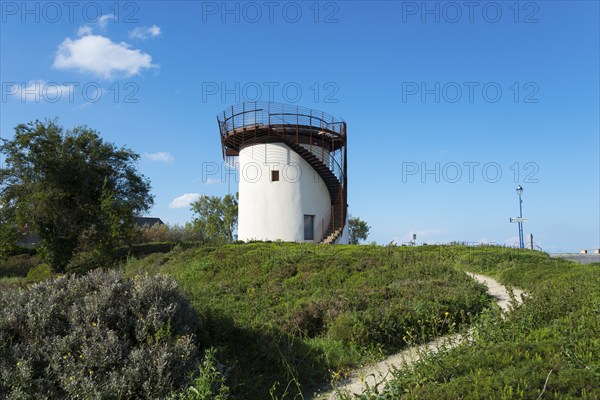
(184, 200)
(104, 20)
(211, 181)
(88, 29)
(145, 32)
(84, 30)
(100, 56)
(160, 156)
(41, 91)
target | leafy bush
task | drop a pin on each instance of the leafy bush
(38, 273)
(96, 336)
(154, 233)
(167, 233)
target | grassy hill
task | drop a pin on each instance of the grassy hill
(284, 318)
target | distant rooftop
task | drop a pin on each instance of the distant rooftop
(148, 221)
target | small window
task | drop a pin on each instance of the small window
(309, 227)
(274, 176)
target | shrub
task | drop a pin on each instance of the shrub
(96, 336)
(38, 273)
(85, 261)
(154, 233)
(166, 233)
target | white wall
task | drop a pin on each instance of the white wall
(345, 236)
(275, 210)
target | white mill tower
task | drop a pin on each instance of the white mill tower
(292, 172)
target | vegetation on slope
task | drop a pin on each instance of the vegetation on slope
(286, 317)
(547, 348)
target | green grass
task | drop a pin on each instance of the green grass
(284, 318)
(547, 348)
(287, 317)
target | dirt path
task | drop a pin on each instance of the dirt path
(379, 373)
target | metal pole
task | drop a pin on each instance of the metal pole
(521, 238)
(531, 241)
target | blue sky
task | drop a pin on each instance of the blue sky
(449, 105)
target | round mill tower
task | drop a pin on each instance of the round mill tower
(292, 172)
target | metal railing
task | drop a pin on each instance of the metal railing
(325, 225)
(330, 223)
(269, 113)
(253, 116)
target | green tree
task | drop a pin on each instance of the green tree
(216, 218)
(8, 233)
(74, 190)
(358, 230)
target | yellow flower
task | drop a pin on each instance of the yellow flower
(91, 372)
(70, 378)
(18, 363)
(93, 324)
(81, 356)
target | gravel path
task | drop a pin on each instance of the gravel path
(379, 373)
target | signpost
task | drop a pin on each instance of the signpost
(518, 220)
